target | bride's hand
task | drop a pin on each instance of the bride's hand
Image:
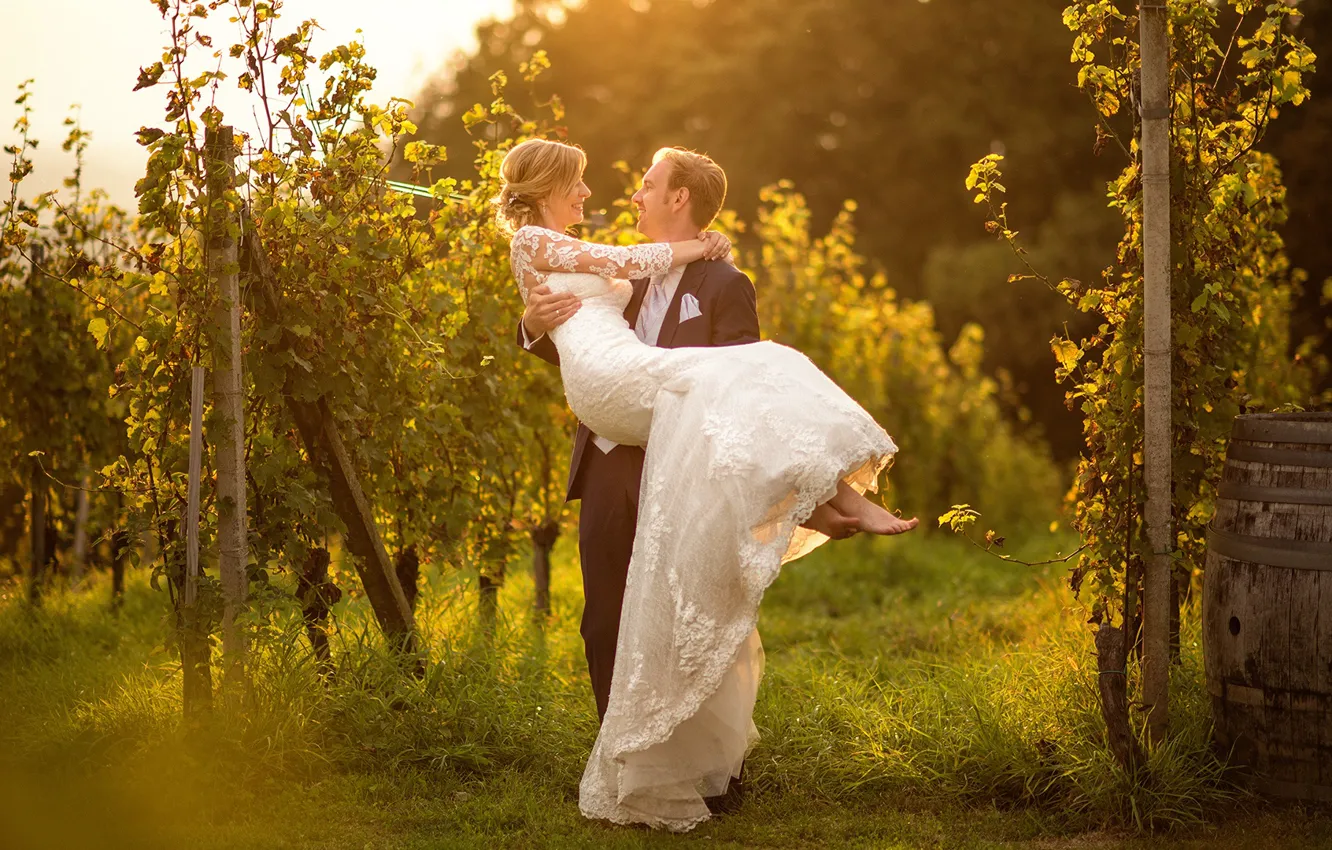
(715, 245)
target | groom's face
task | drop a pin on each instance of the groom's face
(661, 209)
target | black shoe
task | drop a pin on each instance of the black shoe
(730, 802)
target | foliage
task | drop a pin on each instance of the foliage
(396, 313)
(979, 282)
(820, 296)
(524, 429)
(60, 282)
(1231, 285)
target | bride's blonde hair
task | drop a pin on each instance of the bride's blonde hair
(533, 171)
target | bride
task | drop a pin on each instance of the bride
(753, 458)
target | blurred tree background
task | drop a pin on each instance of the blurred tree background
(1301, 140)
(884, 102)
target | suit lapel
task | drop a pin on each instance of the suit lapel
(572, 491)
(689, 282)
(636, 301)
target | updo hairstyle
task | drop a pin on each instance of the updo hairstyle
(533, 171)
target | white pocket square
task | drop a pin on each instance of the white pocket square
(689, 308)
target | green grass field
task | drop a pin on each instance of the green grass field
(919, 693)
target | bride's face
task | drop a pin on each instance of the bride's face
(564, 210)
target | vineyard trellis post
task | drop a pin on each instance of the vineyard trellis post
(220, 227)
(543, 536)
(83, 507)
(317, 594)
(196, 673)
(37, 531)
(37, 485)
(1155, 151)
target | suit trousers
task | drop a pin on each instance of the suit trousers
(606, 522)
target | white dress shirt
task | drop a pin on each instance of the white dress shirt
(656, 303)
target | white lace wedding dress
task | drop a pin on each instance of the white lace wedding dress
(742, 442)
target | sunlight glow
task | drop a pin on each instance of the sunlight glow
(89, 52)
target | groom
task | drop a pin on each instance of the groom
(705, 303)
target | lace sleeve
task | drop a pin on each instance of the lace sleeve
(549, 251)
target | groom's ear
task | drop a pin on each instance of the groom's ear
(681, 198)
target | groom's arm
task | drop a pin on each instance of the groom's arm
(542, 347)
(546, 311)
(735, 319)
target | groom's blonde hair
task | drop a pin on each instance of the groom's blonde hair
(704, 179)
(533, 171)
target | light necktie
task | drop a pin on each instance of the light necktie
(653, 311)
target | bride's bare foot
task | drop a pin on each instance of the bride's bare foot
(828, 520)
(872, 518)
(888, 523)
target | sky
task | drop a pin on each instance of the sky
(89, 52)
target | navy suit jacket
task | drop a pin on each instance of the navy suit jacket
(728, 316)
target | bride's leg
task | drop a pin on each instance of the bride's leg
(873, 518)
(828, 520)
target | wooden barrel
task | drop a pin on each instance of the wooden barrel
(1267, 604)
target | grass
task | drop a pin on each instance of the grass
(918, 694)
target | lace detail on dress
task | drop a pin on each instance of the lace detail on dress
(561, 252)
(742, 443)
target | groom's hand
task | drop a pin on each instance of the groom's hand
(547, 310)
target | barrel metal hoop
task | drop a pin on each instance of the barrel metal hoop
(1270, 551)
(1284, 457)
(1270, 430)
(1288, 495)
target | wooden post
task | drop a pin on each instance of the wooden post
(488, 600)
(376, 571)
(543, 540)
(36, 482)
(79, 559)
(407, 567)
(323, 442)
(120, 544)
(191, 583)
(220, 227)
(195, 655)
(1155, 147)
(317, 594)
(37, 531)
